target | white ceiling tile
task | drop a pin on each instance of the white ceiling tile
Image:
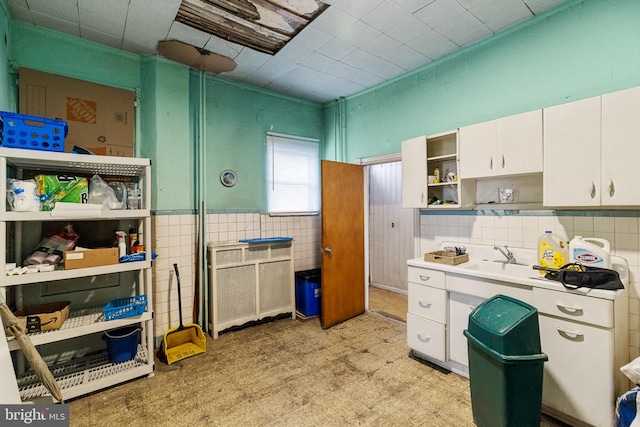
(111, 23)
(187, 34)
(363, 77)
(412, 6)
(439, 12)
(406, 58)
(407, 30)
(21, 14)
(465, 30)
(358, 8)
(386, 15)
(145, 28)
(248, 61)
(336, 49)
(333, 21)
(468, 4)
(64, 10)
(500, 14)
(541, 6)
(294, 52)
(359, 33)
(380, 45)
(385, 69)
(52, 23)
(167, 8)
(273, 68)
(432, 44)
(17, 3)
(227, 48)
(359, 59)
(319, 62)
(311, 38)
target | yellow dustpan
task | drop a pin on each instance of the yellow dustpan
(185, 340)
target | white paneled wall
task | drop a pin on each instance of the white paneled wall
(175, 242)
(490, 228)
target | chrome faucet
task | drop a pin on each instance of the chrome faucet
(511, 259)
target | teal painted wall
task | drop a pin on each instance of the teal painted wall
(238, 119)
(582, 49)
(7, 95)
(58, 53)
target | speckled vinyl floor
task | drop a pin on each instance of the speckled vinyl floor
(290, 373)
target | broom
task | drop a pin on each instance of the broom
(38, 365)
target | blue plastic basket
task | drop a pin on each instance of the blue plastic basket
(31, 132)
(125, 307)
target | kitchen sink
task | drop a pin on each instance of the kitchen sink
(501, 267)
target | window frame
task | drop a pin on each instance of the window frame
(273, 139)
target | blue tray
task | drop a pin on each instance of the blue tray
(267, 240)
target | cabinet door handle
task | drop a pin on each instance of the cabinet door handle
(421, 197)
(612, 188)
(592, 193)
(490, 162)
(569, 333)
(502, 161)
(424, 303)
(424, 338)
(569, 308)
(424, 278)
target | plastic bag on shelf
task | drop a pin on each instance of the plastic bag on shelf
(51, 249)
(100, 192)
(22, 195)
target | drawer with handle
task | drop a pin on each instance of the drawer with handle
(428, 302)
(424, 276)
(579, 308)
(426, 337)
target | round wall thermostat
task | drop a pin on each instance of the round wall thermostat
(228, 178)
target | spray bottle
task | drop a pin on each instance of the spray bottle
(122, 243)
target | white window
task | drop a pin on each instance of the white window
(293, 174)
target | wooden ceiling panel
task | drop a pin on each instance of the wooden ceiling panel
(263, 25)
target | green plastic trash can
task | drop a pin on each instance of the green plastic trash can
(505, 363)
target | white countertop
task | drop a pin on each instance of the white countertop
(522, 275)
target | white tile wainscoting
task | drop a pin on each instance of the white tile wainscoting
(520, 229)
(175, 238)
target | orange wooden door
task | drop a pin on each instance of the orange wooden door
(343, 281)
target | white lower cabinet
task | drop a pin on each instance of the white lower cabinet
(575, 381)
(460, 306)
(426, 337)
(585, 337)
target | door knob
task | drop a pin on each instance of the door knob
(326, 250)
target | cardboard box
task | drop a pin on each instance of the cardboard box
(97, 115)
(90, 258)
(111, 150)
(43, 317)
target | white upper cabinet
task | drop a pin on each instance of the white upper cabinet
(478, 150)
(591, 151)
(506, 146)
(621, 148)
(572, 154)
(414, 172)
(421, 157)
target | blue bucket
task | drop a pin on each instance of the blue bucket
(122, 344)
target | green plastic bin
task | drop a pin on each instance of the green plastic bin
(505, 363)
